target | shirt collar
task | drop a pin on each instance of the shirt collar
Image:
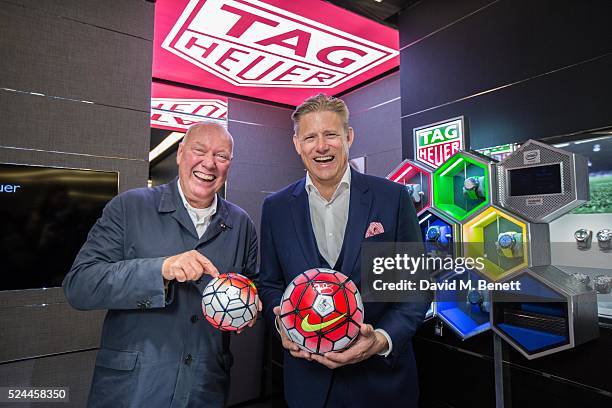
(199, 212)
(345, 183)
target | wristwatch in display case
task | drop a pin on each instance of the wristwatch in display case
(473, 188)
(602, 284)
(604, 237)
(509, 244)
(439, 234)
(583, 238)
(582, 278)
(475, 298)
(415, 192)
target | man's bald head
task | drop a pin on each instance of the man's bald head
(210, 127)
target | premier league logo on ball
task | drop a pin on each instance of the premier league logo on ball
(321, 311)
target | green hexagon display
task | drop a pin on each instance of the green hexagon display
(462, 185)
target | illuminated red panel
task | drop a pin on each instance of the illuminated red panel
(277, 50)
(417, 180)
(176, 108)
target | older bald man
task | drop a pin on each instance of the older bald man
(147, 260)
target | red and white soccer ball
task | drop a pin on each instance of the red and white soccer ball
(321, 311)
(230, 301)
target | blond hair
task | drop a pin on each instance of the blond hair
(321, 103)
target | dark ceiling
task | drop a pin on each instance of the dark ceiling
(384, 12)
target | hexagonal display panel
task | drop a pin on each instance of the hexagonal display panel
(541, 182)
(462, 185)
(503, 241)
(417, 180)
(441, 234)
(551, 312)
(464, 307)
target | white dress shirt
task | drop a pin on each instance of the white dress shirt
(329, 219)
(199, 216)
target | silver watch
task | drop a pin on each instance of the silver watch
(583, 238)
(602, 283)
(582, 278)
(604, 237)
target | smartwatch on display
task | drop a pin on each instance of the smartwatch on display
(509, 244)
(437, 240)
(439, 234)
(473, 188)
(582, 278)
(414, 190)
(433, 233)
(475, 298)
(602, 284)
(603, 239)
(583, 238)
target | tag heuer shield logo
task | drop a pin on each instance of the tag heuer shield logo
(251, 43)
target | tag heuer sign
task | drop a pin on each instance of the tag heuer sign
(178, 114)
(434, 144)
(252, 43)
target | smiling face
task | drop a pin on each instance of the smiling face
(203, 159)
(323, 142)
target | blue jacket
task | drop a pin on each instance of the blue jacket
(288, 248)
(157, 350)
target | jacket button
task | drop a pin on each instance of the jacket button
(188, 359)
(194, 319)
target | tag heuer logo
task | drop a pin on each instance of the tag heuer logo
(251, 43)
(179, 114)
(435, 144)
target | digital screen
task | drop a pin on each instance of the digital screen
(45, 216)
(535, 180)
(598, 150)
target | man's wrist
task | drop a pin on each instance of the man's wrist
(277, 324)
(384, 341)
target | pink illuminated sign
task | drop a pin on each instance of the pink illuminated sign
(175, 108)
(275, 50)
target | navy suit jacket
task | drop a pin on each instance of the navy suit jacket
(157, 351)
(288, 248)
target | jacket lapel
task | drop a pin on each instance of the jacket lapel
(218, 223)
(300, 211)
(171, 203)
(359, 214)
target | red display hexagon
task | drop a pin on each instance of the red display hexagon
(417, 180)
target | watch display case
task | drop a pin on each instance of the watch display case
(441, 234)
(599, 280)
(463, 306)
(551, 311)
(417, 180)
(506, 243)
(462, 185)
(541, 182)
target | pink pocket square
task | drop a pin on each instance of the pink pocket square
(374, 228)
